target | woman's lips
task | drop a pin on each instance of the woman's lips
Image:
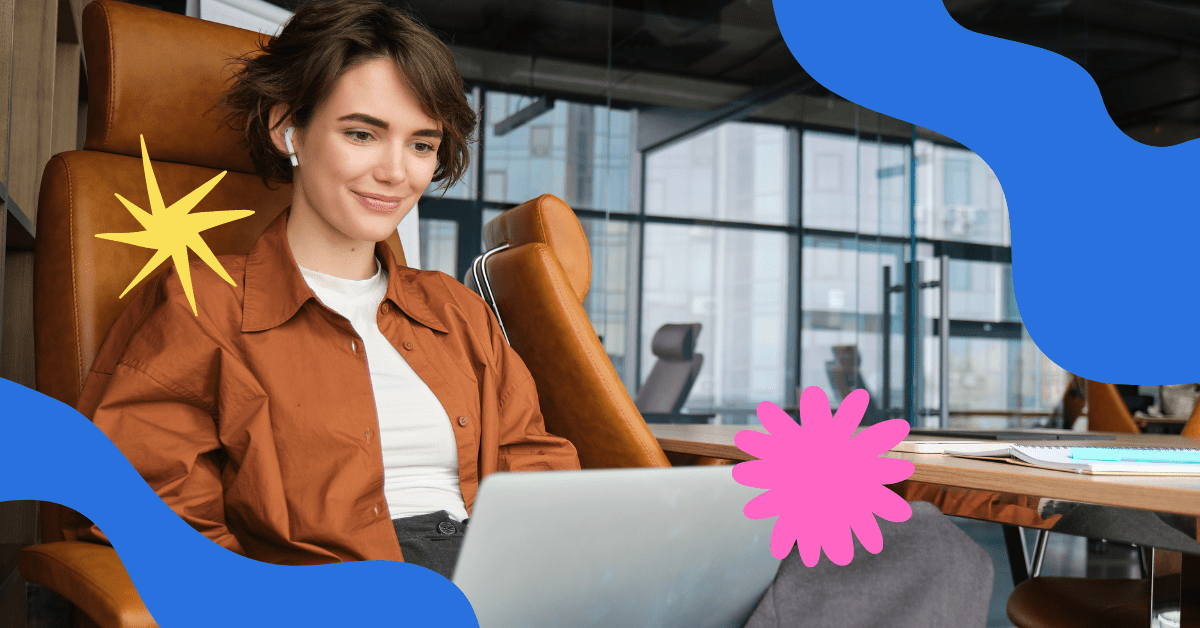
(379, 203)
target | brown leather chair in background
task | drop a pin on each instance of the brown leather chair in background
(156, 74)
(538, 283)
(1106, 411)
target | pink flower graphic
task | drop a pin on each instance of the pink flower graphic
(822, 481)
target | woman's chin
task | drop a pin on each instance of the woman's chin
(377, 231)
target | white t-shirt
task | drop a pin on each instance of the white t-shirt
(420, 453)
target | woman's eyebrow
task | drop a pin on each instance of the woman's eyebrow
(366, 119)
(372, 120)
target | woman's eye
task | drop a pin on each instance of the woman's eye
(425, 148)
(359, 136)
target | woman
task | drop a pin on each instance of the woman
(332, 405)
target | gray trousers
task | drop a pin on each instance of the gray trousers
(432, 541)
(929, 574)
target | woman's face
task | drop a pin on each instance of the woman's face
(368, 153)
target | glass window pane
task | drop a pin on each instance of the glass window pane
(735, 283)
(737, 171)
(580, 153)
(981, 291)
(842, 301)
(611, 303)
(959, 197)
(979, 373)
(859, 186)
(1002, 374)
(439, 245)
(1042, 382)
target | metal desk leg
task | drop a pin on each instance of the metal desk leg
(1018, 561)
(1164, 587)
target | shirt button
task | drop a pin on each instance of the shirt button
(408, 345)
(462, 420)
(367, 435)
(353, 347)
(447, 527)
(386, 308)
(377, 510)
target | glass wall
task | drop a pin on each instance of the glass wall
(958, 197)
(580, 153)
(612, 301)
(734, 282)
(735, 172)
(439, 245)
(789, 246)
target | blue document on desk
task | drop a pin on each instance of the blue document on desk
(1136, 454)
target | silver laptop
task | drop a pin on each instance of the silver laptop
(629, 547)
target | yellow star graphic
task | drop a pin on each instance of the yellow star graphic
(172, 230)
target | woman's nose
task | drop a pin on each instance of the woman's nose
(393, 164)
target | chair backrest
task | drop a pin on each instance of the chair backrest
(671, 378)
(1106, 411)
(845, 376)
(158, 75)
(1192, 427)
(539, 283)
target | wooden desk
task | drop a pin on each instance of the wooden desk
(1179, 495)
(1153, 511)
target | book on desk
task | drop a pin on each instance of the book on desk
(1092, 460)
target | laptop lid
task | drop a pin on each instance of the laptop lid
(626, 547)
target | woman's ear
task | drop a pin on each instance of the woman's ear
(277, 130)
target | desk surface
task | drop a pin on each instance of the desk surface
(1167, 494)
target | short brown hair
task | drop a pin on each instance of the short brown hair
(298, 68)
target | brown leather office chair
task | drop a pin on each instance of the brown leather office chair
(156, 74)
(1106, 411)
(538, 283)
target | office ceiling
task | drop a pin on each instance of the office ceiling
(727, 56)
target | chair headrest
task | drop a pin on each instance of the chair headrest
(129, 47)
(546, 220)
(676, 341)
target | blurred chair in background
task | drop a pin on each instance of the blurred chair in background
(845, 376)
(666, 389)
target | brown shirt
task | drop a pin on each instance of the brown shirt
(255, 421)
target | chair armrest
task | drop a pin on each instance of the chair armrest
(665, 417)
(89, 576)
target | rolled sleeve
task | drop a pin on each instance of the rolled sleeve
(524, 443)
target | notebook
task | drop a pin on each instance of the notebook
(1060, 458)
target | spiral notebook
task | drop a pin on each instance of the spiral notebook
(1167, 461)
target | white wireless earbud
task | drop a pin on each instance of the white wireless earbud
(287, 141)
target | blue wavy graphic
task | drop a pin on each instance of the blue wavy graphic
(1090, 209)
(55, 454)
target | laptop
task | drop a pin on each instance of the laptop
(1014, 434)
(625, 547)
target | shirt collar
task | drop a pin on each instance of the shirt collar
(275, 290)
